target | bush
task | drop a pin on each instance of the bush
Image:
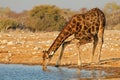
(5, 24)
(46, 18)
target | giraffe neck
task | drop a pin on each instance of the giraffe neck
(63, 35)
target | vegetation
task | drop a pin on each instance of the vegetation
(47, 18)
(7, 23)
(51, 18)
(112, 12)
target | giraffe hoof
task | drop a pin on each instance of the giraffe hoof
(56, 65)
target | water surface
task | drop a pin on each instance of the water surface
(25, 72)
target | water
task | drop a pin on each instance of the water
(25, 72)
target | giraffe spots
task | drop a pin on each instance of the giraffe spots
(97, 28)
(57, 44)
(79, 18)
(83, 22)
(83, 16)
(80, 34)
(94, 14)
(89, 37)
(78, 23)
(74, 21)
(93, 28)
(61, 37)
(85, 27)
(88, 18)
(89, 30)
(88, 24)
(83, 32)
(80, 27)
(77, 28)
(69, 29)
(96, 24)
(73, 25)
(91, 21)
(66, 33)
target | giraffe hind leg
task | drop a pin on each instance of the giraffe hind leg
(99, 55)
(94, 47)
(101, 32)
(79, 55)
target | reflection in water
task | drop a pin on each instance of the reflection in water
(92, 74)
(23, 72)
(75, 74)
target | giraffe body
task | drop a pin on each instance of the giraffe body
(85, 27)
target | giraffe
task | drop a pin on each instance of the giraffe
(86, 28)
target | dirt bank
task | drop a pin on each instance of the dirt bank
(20, 47)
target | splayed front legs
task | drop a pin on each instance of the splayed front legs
(63, 48)
(61, 53)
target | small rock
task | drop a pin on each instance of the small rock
(117, 45)
(48, 41)
(10, 43)
(6, 58)
(8, 35)
(14, 48)
(36, 48)
(4, 42)
(112, 49)
(2, 46)
(9, 54)
(84, 49)
(34, 52)
(27, 46)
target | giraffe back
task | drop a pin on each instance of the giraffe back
(87, 25)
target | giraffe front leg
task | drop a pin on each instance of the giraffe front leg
(61, 53)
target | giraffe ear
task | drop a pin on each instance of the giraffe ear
(51, 54)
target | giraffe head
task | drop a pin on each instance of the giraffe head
(46, 59)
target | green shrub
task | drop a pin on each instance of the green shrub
(46, 18)
(5, 24)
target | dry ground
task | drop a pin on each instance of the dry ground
(19, 47)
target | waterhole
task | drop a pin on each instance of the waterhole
(35, 72)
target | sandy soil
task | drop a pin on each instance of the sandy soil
(19, 47)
